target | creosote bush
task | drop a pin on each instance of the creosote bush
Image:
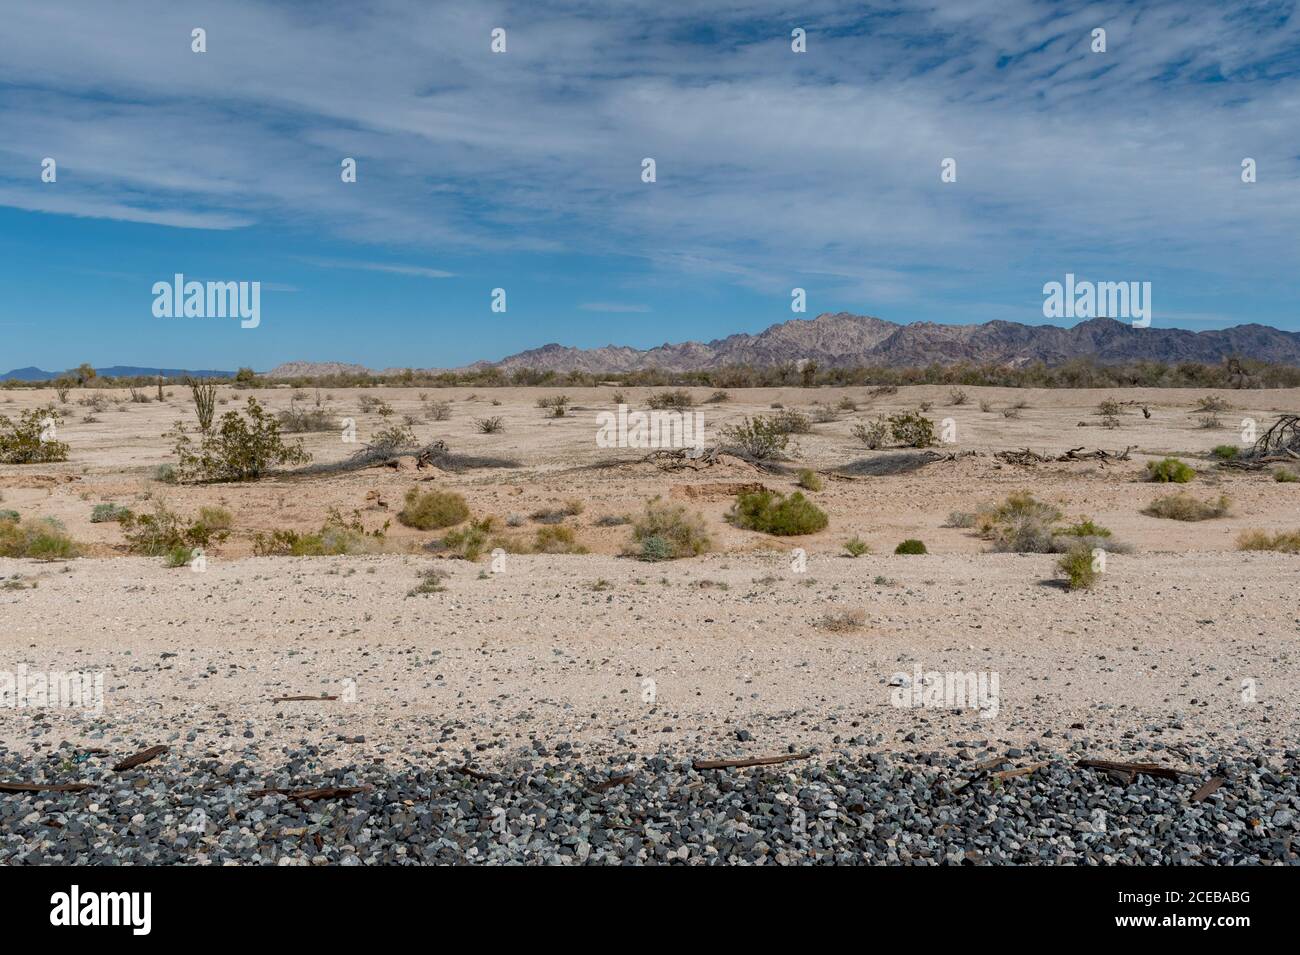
(871, 434)
(432, 510)
(239, 449)
(30, 439)
(911, 546)
(670, 400)
(108, 513)
(162, 532)
(1169, 471)
(912, 430)
(1076, 565)
(668, 532)
(757, 437)
(771, 512)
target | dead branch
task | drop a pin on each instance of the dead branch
(1207, 788)
(326, 792)
(43, 787)
(1130, 769)
(144, 756)
(295, 699)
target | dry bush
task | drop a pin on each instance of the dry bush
(493, 425)
(36, 539)
(1183, 507)
(433, 509)
(668, 532)
(1286, 542)
(842, 621)
(338, 536)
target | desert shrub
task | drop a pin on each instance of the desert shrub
(1209, 422)
(1225, 452)
(8, 515)
(295, 420)
(717, 398)
(438, 411)
(1211, 404)
(809, 479)
(847, 404)
(162, 531)
(38, 539)
(337, 536)
(433, 509)
(107, 513)
(554, 515)
(856, 547)
(670, 400)
(1021, 524)
(771, 512)
(554, 539)
(789, 421)
(166, 473)
(1183, 507)
(958, 397)
(1077, 568)
(1283, 476)
(469, 542)
(842, 621)
(960, 519)
(1110, 407)
(668, 532)
(493, 425)
(1084, 528)
(612, 520)
(823, 414)
(912, 430)
(138, 397)
(758, 437)
(398, 437)
(925, 406)
(872, 434)
(240, 449)
(1287, 542)
(1019, 506)
(430, 583)
(373, 403)
(911, 546)
(29, 440)
(1168, 471)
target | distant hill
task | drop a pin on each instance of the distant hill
(113, 371)
(316, 369)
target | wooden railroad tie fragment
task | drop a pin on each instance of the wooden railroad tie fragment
(325, 792)
(144, 756)
(610, 783)
(1130, 769)
(44, 787)
(751, 761)
(1207, 788)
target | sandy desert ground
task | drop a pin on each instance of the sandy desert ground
(556, 650)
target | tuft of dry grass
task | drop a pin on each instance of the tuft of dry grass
(842, 621)
(1183, 507)
(1286, 542)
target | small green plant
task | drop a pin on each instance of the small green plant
(670, 400)
(556, 539)
(433, 509)
(1226, 452)
(30, 440)
(108, 513)
(204, 394)
(668, 532)
(337, 536)
(471, 541)
(430, 583)
(856, 547)
(494, 425)
(809, 480)
(1183, 507)
(1076, 566)
(911, 546)
(771, 512)
(1170, 470)
(162, 532)
(1283, 476)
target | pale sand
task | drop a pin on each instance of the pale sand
(1158, 651)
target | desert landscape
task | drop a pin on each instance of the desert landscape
(478, 618)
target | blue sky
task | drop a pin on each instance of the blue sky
(522, 170)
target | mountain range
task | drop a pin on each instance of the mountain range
(842, 339)
(112, 371)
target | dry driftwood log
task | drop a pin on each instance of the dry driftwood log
(144, 756)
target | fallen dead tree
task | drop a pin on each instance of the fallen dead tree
(1279, 444)
(1027, 458)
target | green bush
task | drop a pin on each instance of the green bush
(758, 437)
(336, 537)
(872, 434)
(911, 546)
(433, 509)
(21, 442)
(1226, 452)
(856, 547)
(1076, 566)
(809, 480)
(556, 539)
(912, 430)
(1170, 470)
(162, 532)
(239, 449)
(107, 513)
(670, 400)
(668, 532)
(469, 542)
(40, 539)
(1284, 476)
(773, 513)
